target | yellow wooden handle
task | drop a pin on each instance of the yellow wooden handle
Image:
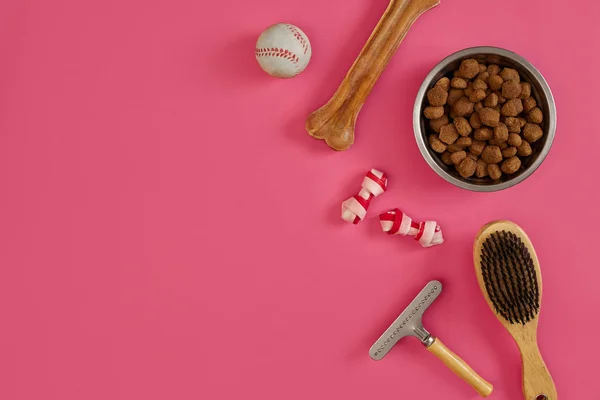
(460, 368)
(537, 381)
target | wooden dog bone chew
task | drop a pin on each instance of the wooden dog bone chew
(427, 233)
(355, 208)
(334, 122)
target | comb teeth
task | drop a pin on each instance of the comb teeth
(510, 277)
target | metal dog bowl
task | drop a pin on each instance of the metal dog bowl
(540, 91)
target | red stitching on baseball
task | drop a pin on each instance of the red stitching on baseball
(275, 52)
(298, 37)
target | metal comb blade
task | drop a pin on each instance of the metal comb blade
(409, 323)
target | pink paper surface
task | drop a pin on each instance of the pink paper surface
(170, 231)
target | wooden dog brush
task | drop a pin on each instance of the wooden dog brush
(508, 273)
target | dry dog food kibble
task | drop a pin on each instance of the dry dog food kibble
(535, 116)
(495, 82)
(453, 148)
(513, 124)
(477, 147)
(467, 167)
(491, 154)
(512, 108)
(464, 142)
(458, 83)
(511, 165)
(468, 69)
(524, 149)
(510, 74)
(436, 144)
(494, 171)
(479, 84)
(454, 95)
(481, 170)
(457, 157)
(529, 104)
(489, 116)
(483, 120)
(444, 83)
(475, 121)
(477, 95)
(491, 100)
(483, 133)
(501, 133)
(436, 124)
(494, 69)
(437, 96)
(509, 152)
(448, 134)
(434, 112)
(462, 126)
(501, 99)
(532, 133)
(446, 158)
(510, 89)
(525, 90)
(463, 107)
(514, 140)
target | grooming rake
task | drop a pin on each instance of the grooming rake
(409, 323)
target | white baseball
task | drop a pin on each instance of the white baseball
(283, 50)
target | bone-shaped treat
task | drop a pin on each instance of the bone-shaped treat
(409, 323)
(335, 121)
(427, 233)
(355, 208)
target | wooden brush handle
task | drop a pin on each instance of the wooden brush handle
(537, 380)
(460, 368)
(335, 121)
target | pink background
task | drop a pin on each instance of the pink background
(170, 231)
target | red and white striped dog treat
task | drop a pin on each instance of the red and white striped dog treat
(355, 208)
(427, 233)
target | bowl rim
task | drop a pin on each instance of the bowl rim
(419, 135)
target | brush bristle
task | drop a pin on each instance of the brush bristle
(510, 277)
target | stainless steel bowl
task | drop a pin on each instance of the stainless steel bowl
(540, 91)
